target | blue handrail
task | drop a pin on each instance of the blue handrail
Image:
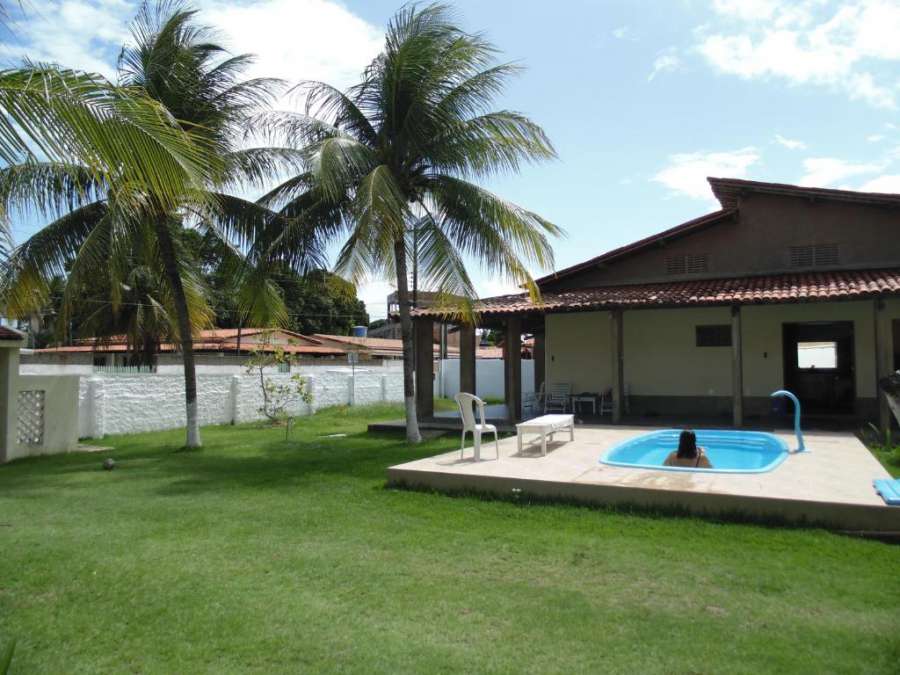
(783, 392)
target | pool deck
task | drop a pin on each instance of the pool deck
(829, 486)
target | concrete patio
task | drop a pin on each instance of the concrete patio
(829, 486)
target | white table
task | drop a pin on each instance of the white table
(546, 425)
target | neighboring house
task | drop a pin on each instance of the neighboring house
(227, 347)
(374, 348)
(783, 287)
(210, 347)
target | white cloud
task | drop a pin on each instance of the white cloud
(374, 294)
(789, 143)
(875, 138)
(850, 47)
(297, 39)
(886, 183)
(686, 173)
(665, 62)
(292, 39)
(826, 171)
(76, 33)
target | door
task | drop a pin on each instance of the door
(819, 365)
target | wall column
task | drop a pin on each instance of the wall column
(884, 348)
(539, 356)
(617, 330)
(467, 358)
(737, 367)
(512, 368)
(423, 336)
(9, 375)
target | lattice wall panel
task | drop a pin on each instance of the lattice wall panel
(30, 417)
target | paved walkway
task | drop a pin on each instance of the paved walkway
(830, 485)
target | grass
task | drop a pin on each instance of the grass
(258, 554)
(884, 447)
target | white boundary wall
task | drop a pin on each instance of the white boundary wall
(119, 404)
(488, 378)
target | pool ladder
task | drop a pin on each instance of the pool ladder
(796, 401)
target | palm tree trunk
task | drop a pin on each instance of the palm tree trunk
(173, 276)
(406, 333)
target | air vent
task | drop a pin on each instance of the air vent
(820, 255)
(675, 265)
(826, 254)
(801, 256)
(687, 264)
(697, 264)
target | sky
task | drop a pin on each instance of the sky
(643, 99)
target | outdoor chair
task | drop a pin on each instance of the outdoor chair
(558, 398)
(467, 403)
(534, 400)
(606, 402)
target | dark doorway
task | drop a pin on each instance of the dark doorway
(819, 365)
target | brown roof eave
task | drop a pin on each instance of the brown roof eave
(683, 229)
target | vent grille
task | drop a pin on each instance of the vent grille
(675, 265)
(697, 264)
(687, 264)
(820, 255)
(801, 256)
(826, 254)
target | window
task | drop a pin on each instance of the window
(820, 255)
(687, 264)
(714, 336)
(816, 355)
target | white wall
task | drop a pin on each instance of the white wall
(60, 395)
(662, 359)
(488, 378)
(118, 404)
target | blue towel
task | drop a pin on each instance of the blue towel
(889, 489)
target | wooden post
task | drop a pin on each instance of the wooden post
(467, 358)
(512, 368)
(737, 367)
(424, 352)
(616, 326)
(883, 356)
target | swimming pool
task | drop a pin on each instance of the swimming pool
(728, 451)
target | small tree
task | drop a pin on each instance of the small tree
(277, 396)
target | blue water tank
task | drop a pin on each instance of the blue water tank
(360, 331)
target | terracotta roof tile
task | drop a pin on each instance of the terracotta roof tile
(9, 334)
(774, 288)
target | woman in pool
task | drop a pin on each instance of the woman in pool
(688, 454)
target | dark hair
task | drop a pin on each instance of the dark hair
(687, 445)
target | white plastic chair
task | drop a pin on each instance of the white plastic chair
(558, 398)
(466, 403)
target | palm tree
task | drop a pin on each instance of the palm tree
(104, 221)
(395, 154)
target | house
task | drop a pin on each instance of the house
(782, 287)
(210, 347)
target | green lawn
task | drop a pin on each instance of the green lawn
(262, 555)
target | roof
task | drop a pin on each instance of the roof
(729, 190)
(689, 227)
(213, 340)
(10, 334)
(763, 289)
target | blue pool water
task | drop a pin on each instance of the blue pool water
(728, 451)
